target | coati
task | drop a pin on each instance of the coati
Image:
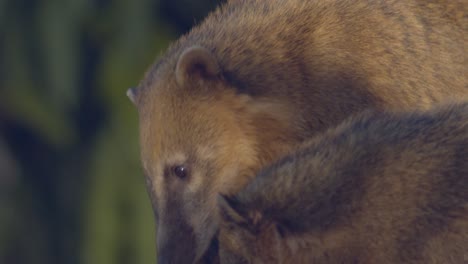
(380, 188)
(258, 77)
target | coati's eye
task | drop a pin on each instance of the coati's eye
(180, 171)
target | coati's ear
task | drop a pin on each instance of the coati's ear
(132, 95)
(198, 62)
(233, 212)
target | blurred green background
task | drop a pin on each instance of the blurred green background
(71, 189)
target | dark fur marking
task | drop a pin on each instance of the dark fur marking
(449, 195)
(324, 209)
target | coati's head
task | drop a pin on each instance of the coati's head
(200, 137)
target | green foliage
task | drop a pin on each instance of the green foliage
(71, 188)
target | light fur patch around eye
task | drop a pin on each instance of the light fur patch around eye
(205, 154)
(157, 176)
(178, 158)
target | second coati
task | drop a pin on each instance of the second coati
(380, 188)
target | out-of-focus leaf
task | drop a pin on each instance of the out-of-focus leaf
(2, 12)
(144, 235)
(101, 219)
(59, 29)
(24, 102)
(117, 183)
(131, 52)
(27, 107)
(65, 66)
(117, 208)
(8, 182)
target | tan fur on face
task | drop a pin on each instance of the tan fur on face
(257, 77)
(231, 135)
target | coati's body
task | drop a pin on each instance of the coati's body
(257, 77)
(380, 188)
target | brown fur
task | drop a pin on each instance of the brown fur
(258, 77)
(381, 188)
